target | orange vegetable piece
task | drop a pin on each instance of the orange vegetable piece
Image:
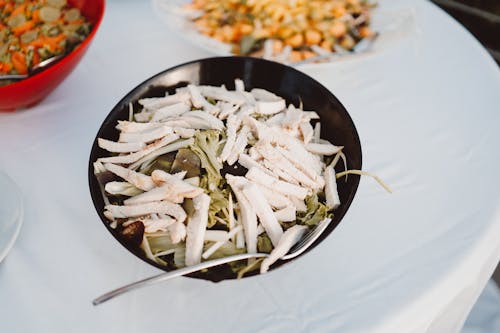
(35, 16)
(21, 29)
(36, 58)
(19, 10)
(5, 67)
(19, 62)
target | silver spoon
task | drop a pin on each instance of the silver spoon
(297, 249)
(37, 68)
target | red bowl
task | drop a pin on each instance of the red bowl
(32, 90)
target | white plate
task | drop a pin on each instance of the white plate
(11, 214)
(393, 20)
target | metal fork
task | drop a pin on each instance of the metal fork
(296, 250)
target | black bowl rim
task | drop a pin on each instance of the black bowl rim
(126, 99)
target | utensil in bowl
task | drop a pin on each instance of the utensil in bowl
(27, 92)
(294, 86)
(295, 251)
(37, 68)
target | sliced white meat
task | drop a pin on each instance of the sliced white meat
(213, 121)
(240, 235)
(323, 148)
(195, 181)
(137, 179)
(248, 216)
(279, 172)
(156, 103)
(286, 214)
(280, 186)
(287, 241)
(177, 123)
(230, 210)
(269, 108)
(158, 224)
(264, 95)
(170, 111)
(143, 116)
(216, 236)
(239, 145)
(199, 101)
(148, 135)
(120, 147)
(179, 175)
(293, 118)
(221, 94)
(196, 227)
(163, 207)
(254, 154)
(299, 204)
(276, 120)
(247, 162)
(165, 149)
(184, 133)
(177, 231)
(264, 212)
(260, 229)
(239, 85)
(278, 161)
(245, 110)
(122, 188)
(275, 199)
(173, 190)
(331, 194)
(133, 157)
(132, 126)
(309, 115)
(226, 109)
(303, 160)
(218, 244)
(249, 98)
(307, 132)
(233, 123)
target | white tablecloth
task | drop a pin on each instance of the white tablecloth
(427, 111)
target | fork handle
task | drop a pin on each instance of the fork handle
(173, 274)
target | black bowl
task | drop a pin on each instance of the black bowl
(287, 82)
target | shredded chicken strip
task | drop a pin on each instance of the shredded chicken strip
(239, 145)
(262, 178)
(170, 111)
(133, 157)
(233, 123)
(119, 147)
(162, 207)
(137, 179)
(248, 215)
(196, 226)
(287, 241)
(323, 148)
(264, 212)
(147, 135)
(156, 103)
(331, 194)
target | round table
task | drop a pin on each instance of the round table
(427, 108)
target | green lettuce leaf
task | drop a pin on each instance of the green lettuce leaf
(316, 212)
